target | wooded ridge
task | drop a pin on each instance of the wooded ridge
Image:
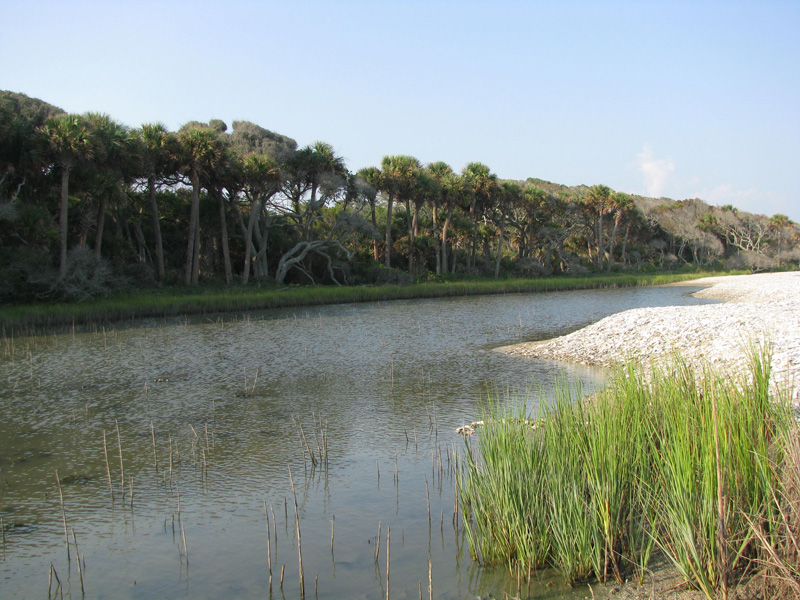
(89, 206)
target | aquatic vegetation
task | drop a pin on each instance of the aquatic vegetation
(677, 460)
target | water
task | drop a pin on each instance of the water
(387, 382)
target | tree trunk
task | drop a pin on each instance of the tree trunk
(255, 209)
(223, 225)
(151, 188)
(599, 233)
(193, 233)
(625, 244)
(62, 222)
(375, 225)
(410, 238)
(388, 256)
(435, 236)
(101, 222)
(196, 259)
(445, 229)
(611, 240)
(140, 241)
(500, 247)
(474, 237)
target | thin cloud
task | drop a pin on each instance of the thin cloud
(654, 171)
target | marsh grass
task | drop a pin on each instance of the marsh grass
(23, 320)
(679, 461)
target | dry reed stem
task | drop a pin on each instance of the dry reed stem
(63, 517)
(428, 498)
(430, 577)
(54, 573)
(378, 542)
(388, 552)
(153, 439)
(121, 469)
(78, 556)
(269, 546)
(108, 469)
(299, 549)
(183, 537)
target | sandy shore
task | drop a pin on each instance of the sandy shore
(755, 308)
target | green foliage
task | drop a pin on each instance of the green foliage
(680, 460)
(255, 196)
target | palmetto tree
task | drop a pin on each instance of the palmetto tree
(448, 182)
(307, 169)
(261, 179)
(112, 160)
(154, 155)
(398, 176)
(69, 141)
(200, 151)
(597, 202)
(482, 184)
(372, 178)
(510, 195)
(621, 205)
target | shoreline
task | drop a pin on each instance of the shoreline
(754, 309)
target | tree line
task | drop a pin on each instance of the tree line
(88, 205)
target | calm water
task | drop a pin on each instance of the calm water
(389, 382)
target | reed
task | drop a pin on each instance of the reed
(388, 554)
(108, 469)
(299, 548)
(269, 548)
(63, 516)
(51, 574)
(681, 461)
(78, 557)
(121, 469)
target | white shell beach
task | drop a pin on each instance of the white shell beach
(755, 309)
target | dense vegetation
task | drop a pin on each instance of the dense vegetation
(89, 206)
(699, 466)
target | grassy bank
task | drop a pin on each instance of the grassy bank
(168, 302)
(687, 464)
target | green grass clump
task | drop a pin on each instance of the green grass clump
(680, 461)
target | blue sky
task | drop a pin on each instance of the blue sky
(676, 99)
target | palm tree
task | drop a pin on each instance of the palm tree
(482, 184)
(398, 175)
(448, 181)
(620, 204)
(308, 168)
(372, 177)
(69, 140)
(597, 201)
(510, 196)
(425, 189)
(154, 154)
(113, 161)
(261, 179)
(200, 150)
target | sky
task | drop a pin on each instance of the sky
(680, 99)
